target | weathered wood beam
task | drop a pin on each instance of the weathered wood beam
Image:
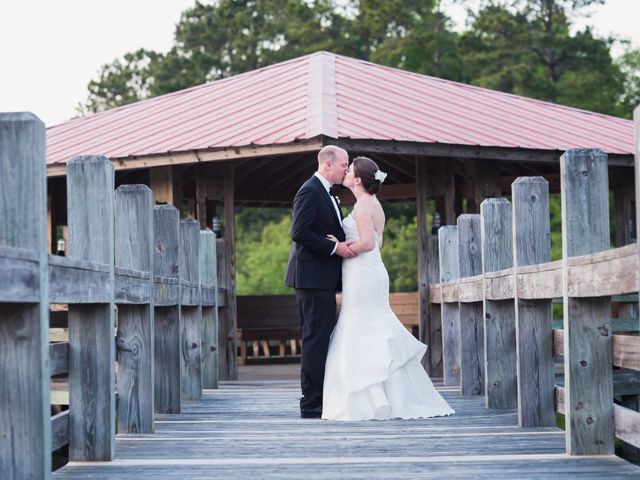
(90, 185)
(25, 423)
(209, 280)
(587, 321)
(471, 322)
(449, 270)
(135, 332)
(422, 195)
(532, 246)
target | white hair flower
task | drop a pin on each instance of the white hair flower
(380, 176)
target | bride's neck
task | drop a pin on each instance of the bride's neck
(359, 192)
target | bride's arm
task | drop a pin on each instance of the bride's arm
(363, 215)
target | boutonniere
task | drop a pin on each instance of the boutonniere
(337, 199)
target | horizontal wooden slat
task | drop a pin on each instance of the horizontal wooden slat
(60, 430)
(132, 286)
(611, 272)
(190, 294)
(222, 298)
(537, 282)
(19, 278)
(435, 293)
(499, 285)
(166, 295)
(78, 281)
(627, 425)
(627, 422)
(58, 358)
(471, 289)
(626, 349)
(450, 291)
(208, 296)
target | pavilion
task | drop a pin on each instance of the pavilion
(252, 139)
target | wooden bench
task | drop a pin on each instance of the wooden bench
(269, 320)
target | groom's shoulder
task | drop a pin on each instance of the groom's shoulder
(310, 184)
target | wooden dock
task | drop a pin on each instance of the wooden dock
(252, 429)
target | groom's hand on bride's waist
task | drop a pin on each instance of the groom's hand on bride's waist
(344, 251)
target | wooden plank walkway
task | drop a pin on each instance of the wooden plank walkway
(251, 429)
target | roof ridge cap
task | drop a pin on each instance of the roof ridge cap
(322, 105)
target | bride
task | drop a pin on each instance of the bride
(373, 368)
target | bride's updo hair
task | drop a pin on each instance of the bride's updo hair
(365, 169)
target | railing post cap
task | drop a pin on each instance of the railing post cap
(19, 117)
(446, 228)
(206, 231)
(169, 208)
(520, 180)
(584, 152)
(467, 217)
(133, 188)
(497, 201)
(88, 159)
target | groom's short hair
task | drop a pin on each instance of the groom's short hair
(330, 153)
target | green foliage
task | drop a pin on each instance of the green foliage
(399, 253)
(261, 263)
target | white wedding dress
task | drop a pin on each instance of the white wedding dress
(373, 368)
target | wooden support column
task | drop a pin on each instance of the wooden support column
(167, 389)
(435, 310)
(230, 271)
(424, 332)
(135, 334)
(25, 415)
(448, 251)
(190, 311)
(588, 340)
(209, 279)
(471, 323)
(166, 184)
(534, 329)
(624, 199)
(501, 389)
(90, 184)
(482, 180)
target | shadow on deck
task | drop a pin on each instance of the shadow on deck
(250, 428)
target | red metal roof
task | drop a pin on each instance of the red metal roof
(336, 96)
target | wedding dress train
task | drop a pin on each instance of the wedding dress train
(373, 368)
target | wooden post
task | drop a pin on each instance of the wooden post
(448, 252)
(501, 389)
(167, 390)
(90, 183)
(230, 269)
(471, 324)
(482, 180)
(424, 319)
(588, 340)
(191, 311)
(135, 337)
(209, 279)
(25, 415)
(435, 311)
(534, 329)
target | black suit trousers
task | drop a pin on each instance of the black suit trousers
(318, 317)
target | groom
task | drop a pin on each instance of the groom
(315, 269)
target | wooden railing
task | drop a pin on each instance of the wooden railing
(158, 271)
(497, 285)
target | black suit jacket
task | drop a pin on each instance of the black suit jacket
(311, 264)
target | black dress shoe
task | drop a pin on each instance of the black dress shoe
(311, 413)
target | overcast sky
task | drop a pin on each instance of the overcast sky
(51, 49)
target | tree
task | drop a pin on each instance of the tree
(629, 65)
(526, 47)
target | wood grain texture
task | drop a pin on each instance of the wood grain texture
(534, 348)
(422, 196)
(435, 316)
(471, 322)
(501, 386)
(230, 270)
(166, 245)
(587, 321)
(211, 439)
(90, 213)
(166, 291)
(209, 278)
(449, 270)
(20, 279)
(59, 358)
(537, 282)
(167, 360)
(60, 430)
(76, 281)
(24, 352)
